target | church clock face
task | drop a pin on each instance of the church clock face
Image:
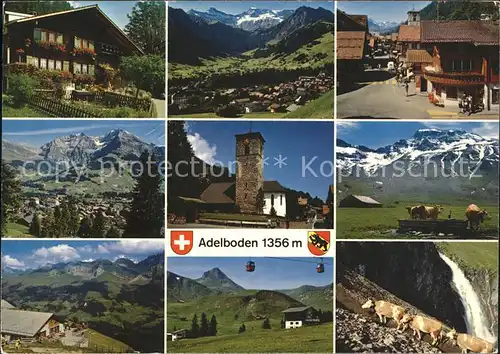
(246, 142)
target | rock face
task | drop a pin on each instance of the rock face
(359, 334)
(413, 272)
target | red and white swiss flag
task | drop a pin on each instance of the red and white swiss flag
(181, 242)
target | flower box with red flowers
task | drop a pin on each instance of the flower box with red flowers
(56, 47)
(83, 51)
(20, 51)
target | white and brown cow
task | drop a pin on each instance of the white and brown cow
(385, 309)
(421, 324)
(433, 212)
(468, 342)
(475, 216)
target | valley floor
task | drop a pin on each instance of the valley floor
(314, 339)
(383, 223)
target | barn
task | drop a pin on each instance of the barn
(359, 201)
(27, 324)
(296, 317)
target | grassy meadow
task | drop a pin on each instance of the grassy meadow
(312, 339)
(382, 223)
(472, 255)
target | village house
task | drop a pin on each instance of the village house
(359, 201)
(176, 335)
(27, 324)
(76, 40)
(464, 60)
(296, 317)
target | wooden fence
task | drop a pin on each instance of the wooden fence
(56, 108)
(115, 99)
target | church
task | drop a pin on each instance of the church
(250, 193)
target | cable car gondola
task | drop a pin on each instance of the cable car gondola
(250, 266)
(320, 268)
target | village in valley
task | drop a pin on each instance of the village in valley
(81, 184)
(438, 60)
(108, 281)
(236, 301)
(240, 176)
(250, 61)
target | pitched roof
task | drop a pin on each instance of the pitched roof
(25, 323)
(273, 186)
(362, 19)
(365, 199)
(217, 193)
(350, 44)
(347, 22)
(79, 9)
(409, 33)
(463, 31)
(418, 56)
(296, 309)
(7, 305)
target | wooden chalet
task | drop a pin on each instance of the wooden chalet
(76, 40)
(296, 317)
(352, 43)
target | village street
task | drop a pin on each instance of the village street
(386, 99)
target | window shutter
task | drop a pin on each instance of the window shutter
(91, 70)
(59, 38)
(65, 65)
(37, 35)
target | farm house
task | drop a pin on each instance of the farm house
(296, 317)
(27, 324)
(359, 201)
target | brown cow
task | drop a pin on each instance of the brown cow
(475, 216)
(433, 212)
(416, 212)
(420, 324)
(385, 309)
(468, 342)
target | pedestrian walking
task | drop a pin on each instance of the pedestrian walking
(406, 87)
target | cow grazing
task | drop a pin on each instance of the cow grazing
(433, 212)
(385, 309)
(421, 324)
(468, 342)
(475, 216)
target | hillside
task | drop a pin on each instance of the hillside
(322, 107)
(101, 293)
(216, 279)
(459, 10)
(319, 297)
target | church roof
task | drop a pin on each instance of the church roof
(217, 193)
(273, 186)
(250, 135)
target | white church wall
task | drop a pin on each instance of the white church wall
(279, 203)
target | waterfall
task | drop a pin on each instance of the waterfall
(475, 318)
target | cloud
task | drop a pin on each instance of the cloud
(202, 148)
(86, 249)
(12, 262)
(128, 247)
(344, 127)
(59, 253)
(90, 260)
(487, 130)
(78, 129)
(443, 125)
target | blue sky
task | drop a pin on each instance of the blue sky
(379, 134)
(116, 10)
(382, 10)
(215, 141)
(37, 132)
(270, 273)
(237, 7)
(35, 254)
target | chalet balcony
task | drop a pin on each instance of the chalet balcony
(455, 79)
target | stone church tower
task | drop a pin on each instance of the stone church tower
(249, 171)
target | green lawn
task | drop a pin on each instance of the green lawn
(313, 339)
(381, 222)
(104, 342)
(319, 108)
(23, 112)
(475, 255)
(17, 230)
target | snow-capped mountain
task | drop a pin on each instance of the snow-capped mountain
(251, 20)
(446, 147)
(82, 149)
(384, 26)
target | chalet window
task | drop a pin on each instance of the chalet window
(461, 65)
(78, 43)
(65, 65)
(43, 63)
(77, 68)
(272, 199)
(51, 65)
(59, 38)
(83, 43)
(52, 37)
(44, 36)
(91, 70)
(32, 61)
(37, 35)
(495, 96)
(281, 199)
(84, 68)
(58, 65)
